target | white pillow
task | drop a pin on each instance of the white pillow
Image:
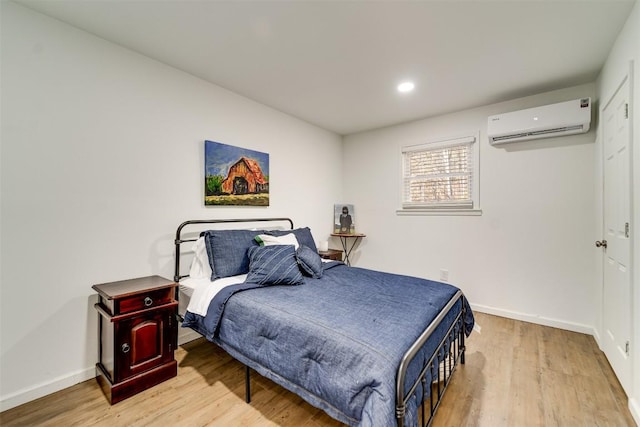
(200, 267)
(286, 239)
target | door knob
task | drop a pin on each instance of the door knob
(601, 243)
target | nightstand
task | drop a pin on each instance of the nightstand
(138, 334)
(332, 254)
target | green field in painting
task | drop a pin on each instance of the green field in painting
(261, 199)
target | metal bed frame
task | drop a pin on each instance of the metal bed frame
(438, 369)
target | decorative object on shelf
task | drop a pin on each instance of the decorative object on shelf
(344, 219)
(344, 240)
(235, 176)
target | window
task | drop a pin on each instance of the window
(440, 175)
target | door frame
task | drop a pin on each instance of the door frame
(599, 329)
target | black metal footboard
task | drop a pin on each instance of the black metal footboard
(435, 374)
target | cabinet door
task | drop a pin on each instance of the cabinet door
(144, 342)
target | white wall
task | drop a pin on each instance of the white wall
(101, 154)
(102, 158)
(626, 49)
(528, 256)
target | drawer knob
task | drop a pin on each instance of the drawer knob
(125, 348)
(147, 302)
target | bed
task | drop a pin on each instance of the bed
(367, 347)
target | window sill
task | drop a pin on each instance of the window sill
(439, 211)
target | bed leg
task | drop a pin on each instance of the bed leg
(462, 346)
(247, 385)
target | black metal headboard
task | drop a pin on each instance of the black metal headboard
(179, 240)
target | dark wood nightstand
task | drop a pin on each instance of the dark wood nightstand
(333, 254)
(138, 334)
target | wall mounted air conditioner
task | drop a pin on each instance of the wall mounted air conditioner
(564, 118)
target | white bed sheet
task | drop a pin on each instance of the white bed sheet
(200, 291)
(196, 293)
(185, 290)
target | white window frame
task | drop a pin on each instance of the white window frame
(467, 207)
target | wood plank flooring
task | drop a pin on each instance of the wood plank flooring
(517, 374)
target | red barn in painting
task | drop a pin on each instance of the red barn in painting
(244, 177)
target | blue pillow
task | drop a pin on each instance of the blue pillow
(274, 265)
(309, 261)
(302, 234)
(227, 250)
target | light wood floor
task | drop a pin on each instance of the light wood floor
(517, 374)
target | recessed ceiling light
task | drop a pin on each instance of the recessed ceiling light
(406, 87)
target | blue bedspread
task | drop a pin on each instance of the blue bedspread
(335, 341)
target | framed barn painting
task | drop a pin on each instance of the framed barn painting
(235, 176)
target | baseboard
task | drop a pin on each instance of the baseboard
(634, 408)
(32, 393)
(43, 389)
(596, 336)
(531, 318)
(26, 395)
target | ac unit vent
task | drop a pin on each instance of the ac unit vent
(565, 118)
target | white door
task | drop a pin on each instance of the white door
(617, 249)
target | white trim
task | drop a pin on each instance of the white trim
(432, 145)
(439, 211)
(534, 318)
(634, 405)
(596, 336)
(452, 204)
(43, 389)
(634, 408)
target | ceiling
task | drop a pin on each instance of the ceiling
(336, 64)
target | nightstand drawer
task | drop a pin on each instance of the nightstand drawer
(143, 300)
(127, 296)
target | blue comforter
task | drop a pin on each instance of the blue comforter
(335, 341)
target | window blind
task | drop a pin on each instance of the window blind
(439, 174)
